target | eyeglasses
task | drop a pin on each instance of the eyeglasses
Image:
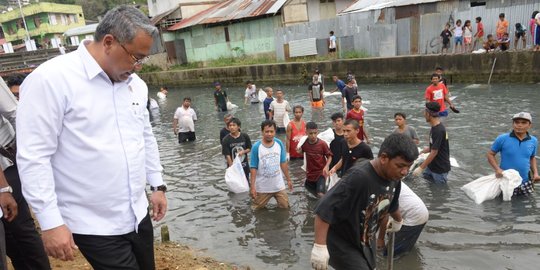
(138, 61)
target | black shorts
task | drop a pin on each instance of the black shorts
(281, 130)
(186, 136)
(332, 50)
(446, 45)
(520, 35)
(316, 187)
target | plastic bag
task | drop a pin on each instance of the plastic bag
(262, 95)
(231, 106)
(286, 120)
(334, 178)
(489, 187)
(327, 136)
(235, 178)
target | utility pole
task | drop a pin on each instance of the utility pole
(24, 21)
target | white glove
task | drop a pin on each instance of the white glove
(418, 171)
(319, 257)
(288, 156)
(394, 226)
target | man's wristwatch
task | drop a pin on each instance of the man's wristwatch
(159, 188)
(7, 189)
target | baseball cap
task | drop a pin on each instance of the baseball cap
(433, 107)
(522, 115)
(217, 83)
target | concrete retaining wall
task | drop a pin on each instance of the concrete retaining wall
(510, 67)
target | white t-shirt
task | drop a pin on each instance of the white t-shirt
(332, 42)
(252, 94)
(279, 110)
(458, 31)
(186, 118)
(413, 210)
(267, 161)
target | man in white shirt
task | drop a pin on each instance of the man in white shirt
(415, 216)
(252, 94)
(278, 109)
(86, 148)
(184, 122)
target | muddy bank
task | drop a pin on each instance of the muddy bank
(168, 256)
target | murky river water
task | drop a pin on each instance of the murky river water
(459, 234)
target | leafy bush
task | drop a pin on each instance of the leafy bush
(354, 54)
(150, 68)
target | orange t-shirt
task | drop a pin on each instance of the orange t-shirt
(502, 27)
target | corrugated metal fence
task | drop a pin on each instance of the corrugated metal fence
(378, 33)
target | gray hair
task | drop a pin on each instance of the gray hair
(123, 22)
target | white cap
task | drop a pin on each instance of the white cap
(522, 115)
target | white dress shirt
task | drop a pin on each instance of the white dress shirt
(85, 146)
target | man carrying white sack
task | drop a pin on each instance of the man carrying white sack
(518, 150)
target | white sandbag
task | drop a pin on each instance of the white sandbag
(481, 50)
(262, 95)
(160, 95)
(511, 180)
(489, 187)
(327, 136)
(231, 106)
(334, 178)
(235, 178)
(286, 120)
(328, 94)
(422, 157)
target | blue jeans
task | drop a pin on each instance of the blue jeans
(437, 178)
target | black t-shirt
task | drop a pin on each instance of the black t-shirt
(446, 34)
(350, 155)
(221, 99)
(222, 134)
(335, 148)
(350, 92)
(438, 140)
(231, 146)
(353, 208)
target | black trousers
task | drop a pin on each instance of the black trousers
(133, 251)
(186, 136)
(24, 245)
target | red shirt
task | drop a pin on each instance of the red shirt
(437, 94)
(316, 158)
(296, 134)
(479, 29)
(358, 116)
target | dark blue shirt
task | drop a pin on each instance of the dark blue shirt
(266, 106)
(341, 85)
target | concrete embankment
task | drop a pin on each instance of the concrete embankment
(510, 67)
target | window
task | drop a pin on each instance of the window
(20, 24)
(477, 3)
(37, 21)
(52, 19)
(227, 38)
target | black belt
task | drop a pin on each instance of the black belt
(9, 150)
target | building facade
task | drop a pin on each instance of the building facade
(45, 22)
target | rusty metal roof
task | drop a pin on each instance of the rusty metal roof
(366, 5)
(231, 10)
